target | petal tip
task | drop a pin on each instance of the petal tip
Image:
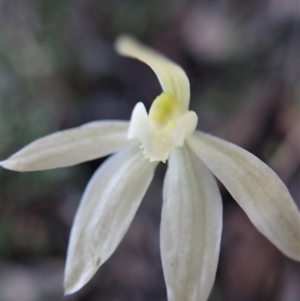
(123, 42)
(14, 165)
(6, 164)
(70, 289)
(71, 286)
(67, 293)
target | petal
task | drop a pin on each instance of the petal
(185, 127)
(191, 227)
(139, 123)
(106, 210)
(90, 141)
(257, 189)
(171, 76)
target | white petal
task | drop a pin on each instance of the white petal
(139, 122)
(257, 189)
(191, 227)
(185, 127)
(106, 210)
(90, 141)
(171, 76)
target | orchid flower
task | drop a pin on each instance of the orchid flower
(191, 221)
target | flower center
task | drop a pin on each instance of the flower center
(165, 111)
(167, 126)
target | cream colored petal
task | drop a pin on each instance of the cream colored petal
(90, 141)
(191, 227)
(256, 188)
(106, 210)
(139, 126)
(171, 76)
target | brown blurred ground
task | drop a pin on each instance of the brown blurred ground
(58, 70)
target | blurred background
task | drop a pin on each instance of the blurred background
(58, 70)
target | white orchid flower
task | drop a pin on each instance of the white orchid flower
(191, 221)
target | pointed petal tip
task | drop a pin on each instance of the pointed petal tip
(122, 42)
(69, 290)
(73, 285)
(67, 293)
(5, 164)
(13, 165)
